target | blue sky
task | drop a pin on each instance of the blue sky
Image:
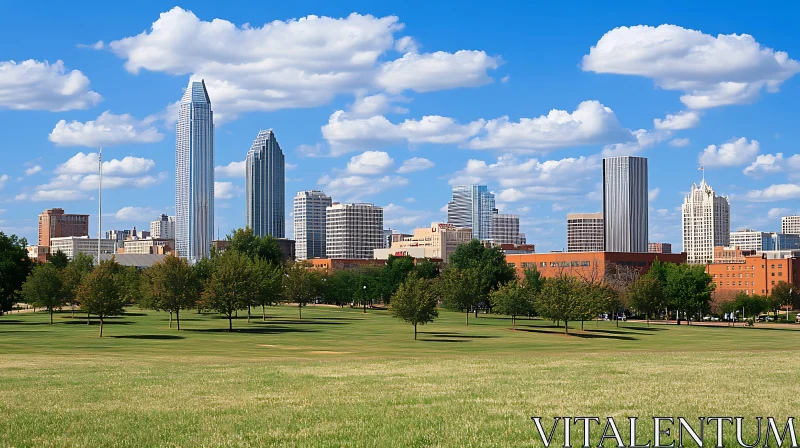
(392, 103)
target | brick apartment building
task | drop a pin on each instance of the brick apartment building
(588, 264)
(757, 274)
(54, 223)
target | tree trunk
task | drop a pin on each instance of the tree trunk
(101, 325)
(263, 313)
(415, 332)
(51, 316)
(514, 323)
(178, 318)
(230, 322)
(88, 322)
(581, 324)
(73, 311)
(467, 313)
(248, 314)
(365, 307)
(300, 309)
(476, 311)
(170, 319)
(566, 327)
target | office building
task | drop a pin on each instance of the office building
(119, 235)
(790, 224)
(659, 248)
(625, 204)
(757, 274)
(706, 223)
(438, 241)
(504, 229)
(353, 230)
(74, 245)
(585, 265)
(724, 254)
(472, 207)
(309, 223)
(163, 228)
(585, 232)
(157, 246)
(264, 187)
(194, 174)
(54, 223)
(764, 241)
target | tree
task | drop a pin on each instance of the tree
(267, 278)
(460, 289)
(171, 286)
(59, 259)
(646, 296)
(298, 285)
(392, 275)
(230, 287)
(426, 269)
(510, 299)
(73, 275)
(688, 289)
(559, 299)
(784, 295)
(619, 278)
(14, 269)
(338, 287)
(45, 288)
(750, 305)
(414, 302)
(100, 292)
(489, 262)
(266, 247)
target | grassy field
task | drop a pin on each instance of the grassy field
(339, 377)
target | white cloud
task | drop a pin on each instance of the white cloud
(679, 142)
(710, 71)
(134, 213)
(53, 195)
(231, 170)
(99, 45)
(396, 216)
(108, 129)
(406, 44)
(302, 62)
(509, 171)
(681, 120)
(369, 162)
(410, 200)
(437, 71)
(32, 170)
(378, 104)
(226, 190)
(733, 153)
(34, 85)
(82, 163)
(653, 194)
(773, 193)
(3, 180)
(644, 139)
(765, 164)
(415, 164)
(537, 192)
(775, 213)
(353, 187)
(590, 124)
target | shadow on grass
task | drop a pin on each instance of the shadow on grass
(620, 331)
(310, 321)
(445, 334)
(22, 322)
(260, 330)
(444, 340)
(603, 336)
(576, 332)
(94, 321)
(154, 337)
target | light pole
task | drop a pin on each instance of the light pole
(100, 204)
(364, 299)
(791, 290)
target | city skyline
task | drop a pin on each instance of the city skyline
(399, 139)
(265, 186)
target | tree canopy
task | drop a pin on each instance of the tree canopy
(414, 302)
(245, 241)
(14, 269)
(44, 288)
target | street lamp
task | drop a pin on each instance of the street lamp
(364, 299)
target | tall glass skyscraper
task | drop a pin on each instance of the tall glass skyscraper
(625, 204)
(310, 223)
(194, 174)
(472, 206)
(264, 187)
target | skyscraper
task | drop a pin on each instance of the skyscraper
(309, 223)
(472, 206)
(264, 187)
(194, 174)
(585, 232)
(164, 227)
(790, 224)
(706, 220)
(625, 204)
(353, 230)
(505, 229)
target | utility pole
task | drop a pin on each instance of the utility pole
(100, 205)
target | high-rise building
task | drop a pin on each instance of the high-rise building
(54, 223)
(585, 232)
(472, 207)
(659, 248)
(625, 204)
(309, 223)
(706, 220)
(73, 245)
(264, 187)
(163, 228)
(194, 174)
(504, 229)
(790, 224)
(753, 240)
(353, 230)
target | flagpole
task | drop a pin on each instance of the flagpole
(100, 205)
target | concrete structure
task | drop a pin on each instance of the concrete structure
(659, 248)
(353, 230)
(512, 249)
(504, 229)
(309, 223)
(757, 274)
(344, 264)
(625, 204)
(587, 265)
(139, 261)
(147, 246)
(54, 223)
(265, 187)
(74, 245)
(764, 241)
(392, 236)
(731, 254)
(194, 174)
(287, 249)
(163, 227)
(472, 207)
(413, 252)
(438, 241)
(706, 223)
(119, 235)
(585, 232)
(790, 224)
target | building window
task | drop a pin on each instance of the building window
(780, 274)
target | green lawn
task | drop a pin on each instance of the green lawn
(339, 377)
